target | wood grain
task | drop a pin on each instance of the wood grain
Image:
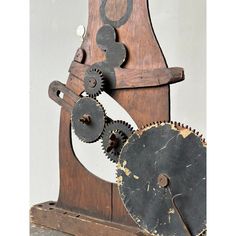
(81, 191)
(115, 9)
(78, 224)
(136, 78)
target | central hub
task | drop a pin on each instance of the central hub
(113, 142)
(92, 82)
(162, 180)
(85, 119)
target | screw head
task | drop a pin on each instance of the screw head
(162, 180)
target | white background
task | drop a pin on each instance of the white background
(180, 29)
(14, 120)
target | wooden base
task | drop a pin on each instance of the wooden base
(48, 215)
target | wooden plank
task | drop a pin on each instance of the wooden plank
(136, 78)
(38, 230)
(46, 214)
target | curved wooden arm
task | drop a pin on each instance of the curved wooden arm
(135, 78)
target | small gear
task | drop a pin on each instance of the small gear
(94, 82)
(88, 119)
(114, 137)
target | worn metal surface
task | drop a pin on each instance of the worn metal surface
(122, 20)
(172, 206)
(108, 73)
(115, 51)
(88, 131)
(115, 54)
(113, 145)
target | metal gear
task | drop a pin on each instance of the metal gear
(114, 137)
(161, 177)
(88, 119)
(94, 82)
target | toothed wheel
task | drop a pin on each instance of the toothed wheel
(161, 177)
(88, 119)
(94, 82)
(114, 137)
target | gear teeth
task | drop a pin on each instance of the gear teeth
(124, 130)
(100, 82)
(84, 140)
(176, 124)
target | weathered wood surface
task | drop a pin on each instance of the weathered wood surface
(37, 230)
(77, 224)
(80, 191)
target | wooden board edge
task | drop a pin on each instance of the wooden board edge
(48, 215)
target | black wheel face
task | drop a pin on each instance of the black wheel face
(161, 177)
(122, 131)
(92, 111)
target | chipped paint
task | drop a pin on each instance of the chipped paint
(119, 180)
(167, 218)
(136, 177)
(123, 168)
(173, 127)
(171, 211)
(185, 132)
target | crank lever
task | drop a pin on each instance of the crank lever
(54, 91)
(180, 216)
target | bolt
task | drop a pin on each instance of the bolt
(162, 180)
(85, 119)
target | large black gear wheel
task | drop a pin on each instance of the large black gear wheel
(94, 82)
(114, 137)
(161, 177)
(88, 119)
